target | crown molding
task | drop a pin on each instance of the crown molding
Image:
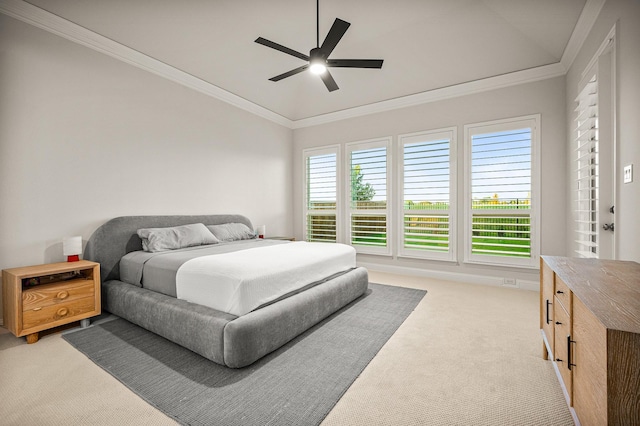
(463, 89)
(585, 23)
(54, 24)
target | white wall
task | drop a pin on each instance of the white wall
(626, 13)
(544, 97)
(85, 138)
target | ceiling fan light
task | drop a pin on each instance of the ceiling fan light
(318, 67)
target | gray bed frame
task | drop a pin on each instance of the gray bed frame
(221, 337)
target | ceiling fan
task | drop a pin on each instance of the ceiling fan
(318, 59)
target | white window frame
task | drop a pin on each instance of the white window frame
(312, 152)
(532, 121)
(386, 143)
(426, 136)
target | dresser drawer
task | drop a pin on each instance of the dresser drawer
(66, 311)
(563, 294)
(53, 294)
(547, 290)
(562, 323)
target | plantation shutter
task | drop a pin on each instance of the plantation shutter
(500, 187)
(321, 197)
(426, 176)
(368, 197)
(587, 170)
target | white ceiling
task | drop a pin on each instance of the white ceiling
(425, 44)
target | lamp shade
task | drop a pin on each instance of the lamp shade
(72, 248)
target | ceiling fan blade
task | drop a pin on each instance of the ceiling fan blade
(329, 81)
(336, 32)
(355, 63)
(281, 48)
(289, 73)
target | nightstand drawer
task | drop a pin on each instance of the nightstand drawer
(65, 311)
(52, 294)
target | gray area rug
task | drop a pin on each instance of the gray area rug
(297, 384)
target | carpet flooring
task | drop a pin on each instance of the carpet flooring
(297, 384)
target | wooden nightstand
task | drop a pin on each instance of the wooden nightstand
(282, 238)
(41, 297)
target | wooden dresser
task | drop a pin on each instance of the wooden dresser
(590, 324)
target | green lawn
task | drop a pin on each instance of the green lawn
(489, 246)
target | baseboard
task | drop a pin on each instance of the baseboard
(452, 276)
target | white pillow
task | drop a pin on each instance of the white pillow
(175, 237)
(231, 232)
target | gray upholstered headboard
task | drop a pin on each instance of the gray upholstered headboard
(119, 236)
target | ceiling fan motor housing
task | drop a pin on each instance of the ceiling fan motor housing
(317, 55)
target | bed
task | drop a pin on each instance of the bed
(235, 338)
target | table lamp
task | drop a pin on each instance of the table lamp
(72, 248)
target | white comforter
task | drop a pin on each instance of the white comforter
(239, 282)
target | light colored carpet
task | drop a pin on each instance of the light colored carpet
(468, 355)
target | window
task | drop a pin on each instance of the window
(321, 194)
(427, 179)
(501, 192)
(368, 196)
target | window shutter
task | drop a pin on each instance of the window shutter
(501, 181)
(368, 196)
(500, 193)
(586, 162)
(426, 175)
(321, 197)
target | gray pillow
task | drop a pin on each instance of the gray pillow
(231, 232)
(175, 237)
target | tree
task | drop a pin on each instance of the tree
(360, 191)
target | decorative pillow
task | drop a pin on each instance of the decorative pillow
(231, 231)
(175, 237)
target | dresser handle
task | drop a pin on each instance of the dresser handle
(548, 303)
(63, 294)
(62, 312)
(569, 342)
(560, 292)
(558, 323)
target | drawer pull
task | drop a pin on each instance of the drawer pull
(560, 292)
(38, 308)
(63, 294)
(558, 323)
(62, 312)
